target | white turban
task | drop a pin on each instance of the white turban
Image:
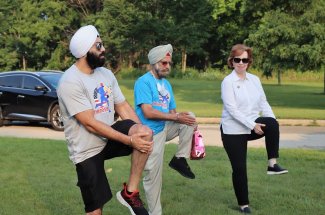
(159, 52)
(83, 40)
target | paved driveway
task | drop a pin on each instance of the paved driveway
(291, 136)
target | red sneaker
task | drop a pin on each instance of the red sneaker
(132, 201)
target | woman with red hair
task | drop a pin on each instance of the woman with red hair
(246, 116)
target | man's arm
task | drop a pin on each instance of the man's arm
(151, 113)
(87, 119)
(182, 117)
(125, 111)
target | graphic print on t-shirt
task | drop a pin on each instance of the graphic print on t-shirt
(101, 97)
(164, 100)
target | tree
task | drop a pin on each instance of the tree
(291, 36)
(229, 28)
(85, 7)
(189, 29)
(8, 53)
(129, 29)
(33, 31)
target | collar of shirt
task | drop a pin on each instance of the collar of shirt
(235, 77)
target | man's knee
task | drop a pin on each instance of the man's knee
(138, 128)
(143, 128)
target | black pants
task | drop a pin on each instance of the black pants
(236, 148)
(92, 180)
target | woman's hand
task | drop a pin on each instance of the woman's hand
(258, 128)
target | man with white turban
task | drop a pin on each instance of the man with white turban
(89, 95)
(156, 107)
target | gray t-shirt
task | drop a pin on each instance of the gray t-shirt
(78, 92)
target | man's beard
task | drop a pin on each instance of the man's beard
(94, 61)
(161, 73)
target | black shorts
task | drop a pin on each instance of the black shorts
(92, 181)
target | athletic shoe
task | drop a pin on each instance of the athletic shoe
(131, 201)
(276, 170)
(245, 210)
(181, 166)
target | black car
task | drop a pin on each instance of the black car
(30, 96)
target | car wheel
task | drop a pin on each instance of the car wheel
(1, 117)
(56, 118)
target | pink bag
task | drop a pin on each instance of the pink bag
(198, 149)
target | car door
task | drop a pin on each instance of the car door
(10, 86)
(33, 100)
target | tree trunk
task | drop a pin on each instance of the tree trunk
(184, 57)
(279, 77)
(324, 76)
(24, 63)
(130, 61)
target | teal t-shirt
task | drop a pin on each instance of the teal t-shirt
(156, 92)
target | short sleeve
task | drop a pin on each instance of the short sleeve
(73, 97)
(142, 92)
(118, 95)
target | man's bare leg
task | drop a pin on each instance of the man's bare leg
(95, 212)
(138, 158)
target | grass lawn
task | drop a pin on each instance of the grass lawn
(292, 100)
(36, 177)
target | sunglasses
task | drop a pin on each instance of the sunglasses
(164, 63)
(244, 60)
(99, 46)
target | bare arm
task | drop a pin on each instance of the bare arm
(151, 113)
(182, 117)
(87, 119)
(125, 111)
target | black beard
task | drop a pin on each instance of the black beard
(94, 61)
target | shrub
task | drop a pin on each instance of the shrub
(218, 74)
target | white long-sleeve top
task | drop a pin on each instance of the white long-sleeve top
(244, 101)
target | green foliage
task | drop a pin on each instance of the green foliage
(295, 37)
(284, 34)
(222, 7)
(189, 30)
(131, 73)
(32, 33)
(211, 74)
(132, 28)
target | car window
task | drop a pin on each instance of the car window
(11, 81)
(53, 79)
(31, 82)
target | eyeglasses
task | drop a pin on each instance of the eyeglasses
(99, 46)
(244, 60)
(164, 63)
